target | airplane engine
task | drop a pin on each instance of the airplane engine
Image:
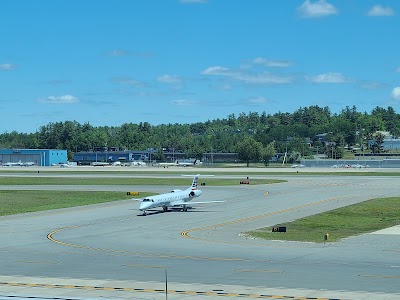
(195, 193)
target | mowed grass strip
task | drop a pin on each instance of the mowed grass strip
(17, 202)
(172, 182)
(340, 223)
(265, 172)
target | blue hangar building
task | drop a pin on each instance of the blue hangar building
(39, 157)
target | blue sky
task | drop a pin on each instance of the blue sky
(185, 61)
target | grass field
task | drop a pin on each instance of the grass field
(16, 202)
(172, 182)
(340, 223)
(285, 171)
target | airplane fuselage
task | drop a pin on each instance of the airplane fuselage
(176, 198)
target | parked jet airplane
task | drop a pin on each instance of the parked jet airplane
(178, 163)
(174, 199)
(12, 164)
(18, 164)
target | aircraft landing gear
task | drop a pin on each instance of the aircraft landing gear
(165, 208)
(144, 213)
(184, 208)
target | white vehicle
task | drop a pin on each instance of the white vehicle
(65, 165)
(140, 163)
(188, 163)
(175, 199)
(298, 166)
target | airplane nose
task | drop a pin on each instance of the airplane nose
(143, 206)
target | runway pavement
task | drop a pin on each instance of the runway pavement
(111, 251)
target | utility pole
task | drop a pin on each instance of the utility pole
(166, 285)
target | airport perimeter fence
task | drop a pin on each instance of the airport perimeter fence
(351, 163)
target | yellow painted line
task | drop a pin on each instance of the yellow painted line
(185, 233)
(51, 238)
(381, 276)
(37, 262)
(69, 287)
(258, 271)
(221, 293)
(145, 266)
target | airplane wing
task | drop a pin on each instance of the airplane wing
(202, 202)
(190, 203)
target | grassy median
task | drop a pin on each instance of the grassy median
(340, 223)
(171, 182)
(17, 202)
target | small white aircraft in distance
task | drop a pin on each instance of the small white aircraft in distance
(178, 163)
(174, 199)
(100, 164)
(187, 163)
(140, 163)
(19, 164)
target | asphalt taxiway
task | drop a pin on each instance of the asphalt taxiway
(111, 251)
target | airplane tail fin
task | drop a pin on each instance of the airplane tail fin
(194, 183)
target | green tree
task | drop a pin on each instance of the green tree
(377, 145)
(249, 150)
(294, 157)
(268, 152)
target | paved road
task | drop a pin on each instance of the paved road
(110, 250)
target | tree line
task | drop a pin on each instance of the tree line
(266, 133)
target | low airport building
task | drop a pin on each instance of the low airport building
(38, 157)
(87, 158)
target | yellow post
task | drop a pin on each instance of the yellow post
(132, 193)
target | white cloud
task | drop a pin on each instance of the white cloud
(272, 63)
(395, 94)
(318, 9)
(193, 1)
(263, 78)
(381, 11)
(66, 99)
(58, 81)
(118, 52)
(225, 87)
(129, 81)
(169, 79)
(218, 70)
(7, 67)
(329, 78)
(257, 100)
(371, 85)
(183, 102)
